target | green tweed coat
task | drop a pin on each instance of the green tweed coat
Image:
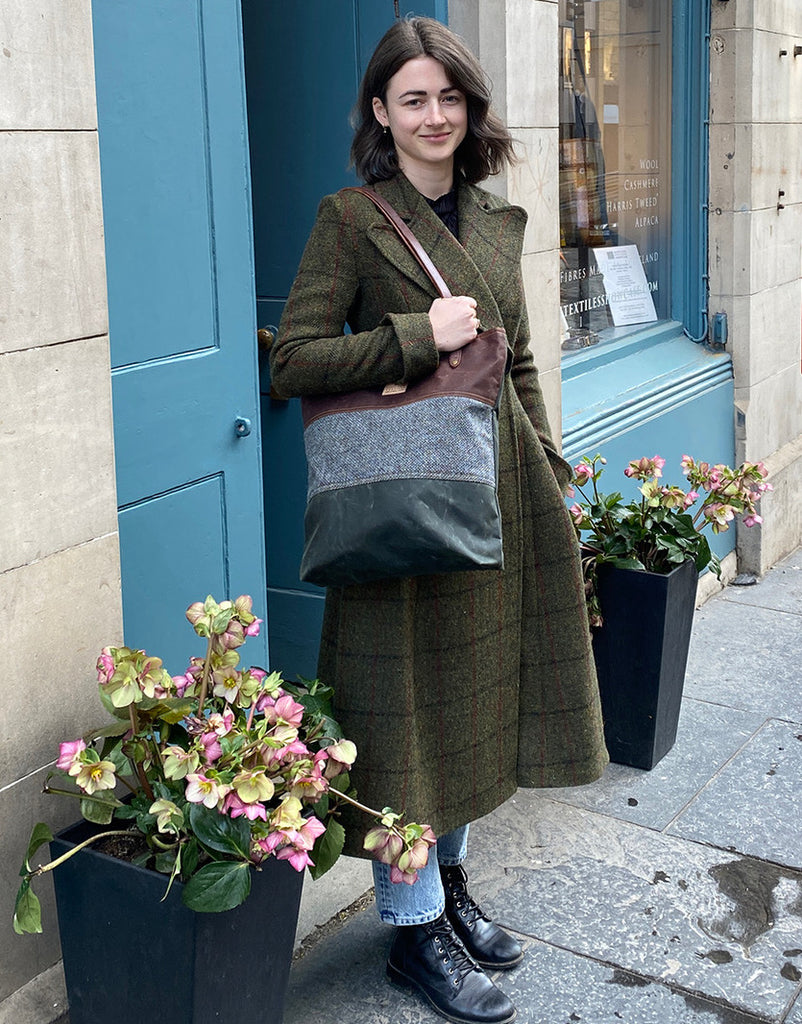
(456, 688)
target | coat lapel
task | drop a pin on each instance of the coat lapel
(485, 258)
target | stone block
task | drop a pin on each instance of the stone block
(56, 449)
(777, 84)
(730, 252)
(762, 547)
(533, 184)
(731, 76)
(765, 333)
(532, 49)
(52, 261)
(751, 163)
(47, 72)
(784, 16)
(542, 289)
(25, 956)
(57, 614)
(770, 412)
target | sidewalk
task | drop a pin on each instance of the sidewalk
(665, 897)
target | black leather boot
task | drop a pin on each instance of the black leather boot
(431, 958)
(489, 945)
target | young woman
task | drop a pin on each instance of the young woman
(457, 688)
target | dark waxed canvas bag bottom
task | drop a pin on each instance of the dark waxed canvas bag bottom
(400, 528)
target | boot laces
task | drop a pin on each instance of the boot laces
(451, 950)
(466, 906)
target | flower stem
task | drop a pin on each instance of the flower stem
(354, 803)
(76, 849)
(207, 671)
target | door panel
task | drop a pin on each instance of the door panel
(303, 64)
(176, 200)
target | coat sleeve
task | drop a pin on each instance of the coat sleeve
(527, 387)
(312, 354)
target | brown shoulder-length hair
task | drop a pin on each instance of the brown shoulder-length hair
(487, 146)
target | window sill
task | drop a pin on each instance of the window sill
(621, 383)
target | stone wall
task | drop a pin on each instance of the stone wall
(59, 561)
(517, 43)
(756, 247)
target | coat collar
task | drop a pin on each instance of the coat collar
(481, 264)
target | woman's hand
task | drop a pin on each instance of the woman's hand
(454, 322)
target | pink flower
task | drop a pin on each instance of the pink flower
(221, 724)
(284, 710)
(69, 756)
(298, 858)
(253, 628)
(236, 808)
(202, 790)
(690, 498)
(753, 520)
(341, 756)
(212, 749)
(582, 473)
(385, 845)
(644, 469)
(407, 877)
(105, 665)
(576, 514)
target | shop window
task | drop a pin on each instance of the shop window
(615, 168)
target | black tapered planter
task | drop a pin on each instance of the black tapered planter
(130, 958)
(641, 651)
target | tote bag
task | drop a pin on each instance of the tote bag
(403, 481)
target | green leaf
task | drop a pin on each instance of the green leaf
(40, 835)
(165, 862)
(327, 849)
(100, 809)
(172, 710)
(219, 832)
(27, 911)
(121, 713)
(222, 885)
(189, 857)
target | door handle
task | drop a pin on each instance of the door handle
(265, 337)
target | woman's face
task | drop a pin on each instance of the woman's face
(427, 116)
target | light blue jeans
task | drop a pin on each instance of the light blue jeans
(401, 904)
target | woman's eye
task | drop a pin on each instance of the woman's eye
(453, 98)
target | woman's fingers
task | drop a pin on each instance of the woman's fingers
(454, 322)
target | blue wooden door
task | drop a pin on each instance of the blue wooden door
(303, 64)
(176, 200)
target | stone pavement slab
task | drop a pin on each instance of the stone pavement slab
(708, 736)
(699, 919)
(748, 657)
(781, 588)
(752, 805)
(553, 986)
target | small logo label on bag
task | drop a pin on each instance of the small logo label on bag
(394, 389)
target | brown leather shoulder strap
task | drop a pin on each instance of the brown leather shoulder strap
(407, 237)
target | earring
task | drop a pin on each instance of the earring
(384, 130)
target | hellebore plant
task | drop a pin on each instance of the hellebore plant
(664, 528)
(224, 766)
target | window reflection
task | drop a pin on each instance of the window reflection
(615, 166)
